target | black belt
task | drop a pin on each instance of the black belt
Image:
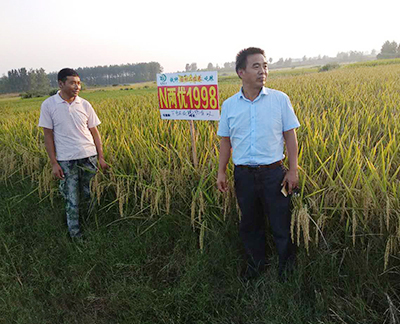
(266, 166)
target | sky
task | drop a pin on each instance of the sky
(54, 34)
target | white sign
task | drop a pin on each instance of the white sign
(189, 95)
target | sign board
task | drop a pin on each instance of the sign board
(188, 95)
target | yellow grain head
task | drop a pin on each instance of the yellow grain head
(388, 250)
(193, 210)
(202, 234)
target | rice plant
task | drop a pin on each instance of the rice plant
(348, 156)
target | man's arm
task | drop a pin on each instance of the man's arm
(99, 147)
(291, 178)
(224, 155)
(51, 151)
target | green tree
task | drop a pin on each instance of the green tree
(24, 79)
(3, 84)
(13, 81)
(38, 81)
(288, 62)
(388, 50)
(43, 83)
(193, 67)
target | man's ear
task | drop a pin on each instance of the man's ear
(240, 73)
(60, 83)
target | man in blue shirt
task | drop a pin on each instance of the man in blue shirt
(255, 123)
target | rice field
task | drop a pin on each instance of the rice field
(348, 155)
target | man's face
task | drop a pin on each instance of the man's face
(256, 71)
(71, 86)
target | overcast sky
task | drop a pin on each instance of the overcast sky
(77, 33)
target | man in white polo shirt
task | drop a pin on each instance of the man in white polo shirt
(255, 123)
(73, 143)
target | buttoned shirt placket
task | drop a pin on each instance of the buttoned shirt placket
(253, 114)
(66, 103)
(70, 107)
(253, 129)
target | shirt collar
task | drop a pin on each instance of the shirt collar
(263, 92)
(61, 100)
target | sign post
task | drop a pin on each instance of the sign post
(194, 152)
(189, 96)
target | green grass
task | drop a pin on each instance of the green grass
(141, 270)
(273, 74)
(141, 265)
(373, 63)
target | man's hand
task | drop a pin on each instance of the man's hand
(224, 155)
(291, 180)
(221, 182)
(103, 164)
(57, 171)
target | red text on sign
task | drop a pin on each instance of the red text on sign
(188, 97)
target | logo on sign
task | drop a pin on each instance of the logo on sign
(163, 78)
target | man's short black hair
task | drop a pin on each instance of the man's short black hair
(64, 73)
(241, 57)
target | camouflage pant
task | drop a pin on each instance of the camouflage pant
(76, 187)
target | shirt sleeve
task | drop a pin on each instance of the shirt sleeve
(223, 128)
(289, 118)
(93, 120)
(45, 119)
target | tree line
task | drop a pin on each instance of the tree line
(389, 50)
(341, 57)
(22, 80)
(115, 74)
(38, 83)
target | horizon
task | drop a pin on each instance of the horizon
(220, 64)
(43, 35)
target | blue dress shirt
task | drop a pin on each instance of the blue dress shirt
(255, 128)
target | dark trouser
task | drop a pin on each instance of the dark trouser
(259, 194)
(75, 188)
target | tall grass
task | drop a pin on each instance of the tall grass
(348, 154)
(373, 63)
(143, 270)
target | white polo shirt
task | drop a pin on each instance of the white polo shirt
(70, 124)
